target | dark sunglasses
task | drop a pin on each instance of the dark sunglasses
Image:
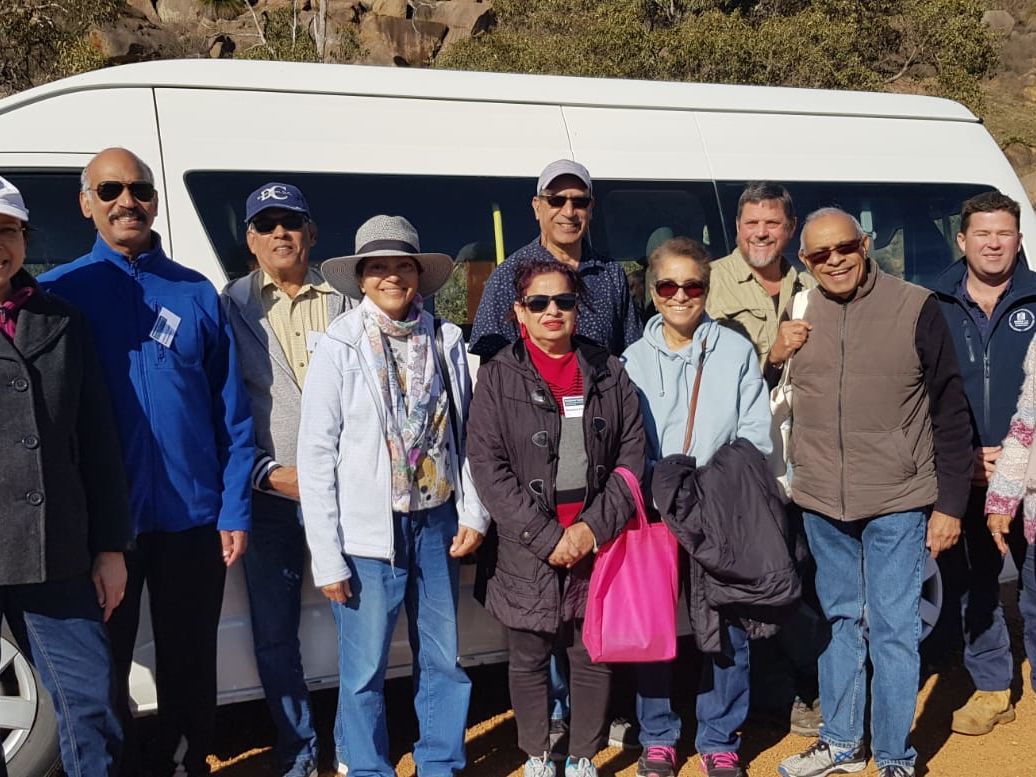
(581, 202)
(667, 289)
(141, 191)
(537, 303)
(842, 249)
(264, 225)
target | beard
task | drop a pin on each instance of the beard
(760, 262)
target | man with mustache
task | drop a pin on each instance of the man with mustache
(184, 420)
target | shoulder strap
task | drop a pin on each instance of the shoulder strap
(440, 352)
(694, 401)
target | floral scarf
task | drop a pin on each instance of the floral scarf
(410, 413)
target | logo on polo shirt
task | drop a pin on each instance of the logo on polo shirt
(1022, 320)
(276, 192)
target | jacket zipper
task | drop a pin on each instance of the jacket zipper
(146, 390)
(841, 389)
(985, 387)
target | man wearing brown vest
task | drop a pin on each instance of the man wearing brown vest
(881, 466)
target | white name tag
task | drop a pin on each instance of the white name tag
(312, 339)
(573, 407)
(165, 327)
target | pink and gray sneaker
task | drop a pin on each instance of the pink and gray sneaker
(721, 765)
(657, 761)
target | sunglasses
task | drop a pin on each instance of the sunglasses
(141, 191)
(264, 225)
(580, 202)
(537, 303)
(842, 249)
(667, 289)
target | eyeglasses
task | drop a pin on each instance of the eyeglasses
(264, 225)
(537, 303)
(842, 249)
(141, 191)
(579, 202)
(693, 289)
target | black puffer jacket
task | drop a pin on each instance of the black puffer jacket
(513, 432)
(730, 519)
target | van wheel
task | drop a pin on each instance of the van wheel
(28, 726)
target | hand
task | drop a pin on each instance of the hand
(574, 545)
(234, 544)
(285, 481)
(943, 532)
(109, 576)
(338, 592)
(466, 541)
(999, 526)
(985, 464)
(791, 335)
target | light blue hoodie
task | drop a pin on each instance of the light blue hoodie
(733, 400)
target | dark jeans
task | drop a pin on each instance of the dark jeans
(184, 572)
(58, 627)
(529, 682)
(273, 575)
(659, 723)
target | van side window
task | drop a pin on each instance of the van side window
(59, 233)
(913, 226)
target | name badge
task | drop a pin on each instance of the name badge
(313, 339)
(165, 327)
(573, 406)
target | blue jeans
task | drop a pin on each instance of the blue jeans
(877, 564)
(58, 626)
(722, 703)
(425, 579)
(560, 699)
(273, 575)
(1027, 606)
(659, 725)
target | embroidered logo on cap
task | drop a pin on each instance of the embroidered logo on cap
(276, 192)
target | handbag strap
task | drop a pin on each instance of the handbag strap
(639, 511)
(797, 309)
(694, 400)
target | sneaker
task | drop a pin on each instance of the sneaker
(982, 712)
(721, 765)
(805, 718)
(304, 769)
(539, 767)
(558, 739)
(896, 770)
(821, 759)
(624, 734)
(657, 761)
(583, 767)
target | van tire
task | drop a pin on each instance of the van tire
(37, 754)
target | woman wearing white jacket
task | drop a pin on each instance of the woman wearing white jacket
(387, 502)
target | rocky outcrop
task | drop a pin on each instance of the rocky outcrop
(392, 40)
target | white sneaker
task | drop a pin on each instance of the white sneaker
(538, 766)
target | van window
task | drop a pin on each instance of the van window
(59, 231)
(455, 215)
(913, 226)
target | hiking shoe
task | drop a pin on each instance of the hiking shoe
(539, 767)
(821, 759)
(982, 712)
(558, 739)
(896, 770)
(805, 718)
(721, 765)
(623, 733)
(657, 761)
(583, 767)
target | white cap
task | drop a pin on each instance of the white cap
(562, 167)
(11, 202)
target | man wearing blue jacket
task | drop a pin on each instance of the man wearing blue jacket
(185, 425)
(989, 302)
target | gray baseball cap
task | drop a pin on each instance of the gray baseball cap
(561, 167)
(11, 202)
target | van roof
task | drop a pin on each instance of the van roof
(495, 87)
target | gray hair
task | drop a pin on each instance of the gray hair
(84, 177)
(830, 211)
(763, 191)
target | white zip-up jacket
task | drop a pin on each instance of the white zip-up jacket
(343, 459)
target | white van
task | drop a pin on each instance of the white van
(458, 154)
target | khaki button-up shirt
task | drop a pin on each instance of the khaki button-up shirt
(297, 322)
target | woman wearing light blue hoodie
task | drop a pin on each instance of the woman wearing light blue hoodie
(733, 402)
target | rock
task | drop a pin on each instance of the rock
(389, 40)
(146, 8)
(998, 21)
(396, 8)
(222, 47)
(463, 17)
(341, 30)
(1019, 155)
(130, 39)
(1019, 53)
(1029, 93)
(1029, 182)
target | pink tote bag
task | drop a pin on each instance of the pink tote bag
(631, 607)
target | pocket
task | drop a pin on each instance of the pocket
(186, 348)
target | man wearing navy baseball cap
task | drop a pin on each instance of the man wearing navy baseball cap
(279, 312)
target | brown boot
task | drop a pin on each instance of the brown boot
(982, 712)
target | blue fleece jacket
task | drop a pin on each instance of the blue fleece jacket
(733, 400)
(182, 412)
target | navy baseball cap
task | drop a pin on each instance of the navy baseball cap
(275, 195)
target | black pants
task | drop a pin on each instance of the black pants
(184, 572)
(529, 680)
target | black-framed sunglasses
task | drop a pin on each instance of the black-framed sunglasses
(693, 289)
(141, 191)
(579, 202)
(537, 303)
(842, 249)
(292, 221)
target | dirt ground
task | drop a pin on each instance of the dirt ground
(1009, 751)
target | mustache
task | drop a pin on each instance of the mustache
(121, 212)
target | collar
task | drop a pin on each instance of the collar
(965, 295)
(312, 282)
(744, 272)
(536, 250)
(104, 252)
